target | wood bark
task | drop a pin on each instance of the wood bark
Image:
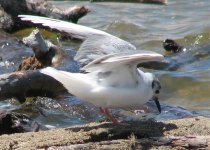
(29, 83)
(45, 53)
(10, 21)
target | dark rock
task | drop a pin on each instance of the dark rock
(6, 21)
(172, 46)
(12, 52)
(11, 122)
(180, 55)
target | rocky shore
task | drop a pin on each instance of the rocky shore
(188, 133)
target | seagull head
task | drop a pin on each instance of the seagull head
(156, 87)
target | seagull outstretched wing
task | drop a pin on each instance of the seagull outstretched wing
(119, 71)
(74, 30)
(96, 43)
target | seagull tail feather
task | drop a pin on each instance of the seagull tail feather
(71, 81)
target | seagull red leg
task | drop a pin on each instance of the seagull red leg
(105, 111)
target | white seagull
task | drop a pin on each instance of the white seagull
(111, 78)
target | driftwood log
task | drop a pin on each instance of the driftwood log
(188, 133)
(29, 83)
(23, 84)
(45, 53)
(135, 1)
(10, 22)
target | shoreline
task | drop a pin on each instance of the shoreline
(182, 133)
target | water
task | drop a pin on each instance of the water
(146, 26)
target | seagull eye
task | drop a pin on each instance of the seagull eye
(160, 86)
(157, 92)
(153, 84)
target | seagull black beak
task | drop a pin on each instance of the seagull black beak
(155, 98)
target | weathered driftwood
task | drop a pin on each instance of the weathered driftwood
(46, 53)
(12, 8)
(29, 83)
(185, 133)
(32, 83)
(135, 1)
(11, 122)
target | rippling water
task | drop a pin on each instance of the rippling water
(146, 26)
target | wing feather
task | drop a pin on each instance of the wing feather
(75, 30)
(119, 71)
(100, 45)
(114, 60)
(96, 43)
(101, 51)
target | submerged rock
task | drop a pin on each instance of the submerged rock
(179, 56)
(12, 52)
(172, 46)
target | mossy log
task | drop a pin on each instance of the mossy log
(188, 133)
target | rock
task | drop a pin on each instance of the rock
(6, 21)
(185, 133)
(172, 46)
(12, 52)
(31, 63)
(11, 122)
(180, 55)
